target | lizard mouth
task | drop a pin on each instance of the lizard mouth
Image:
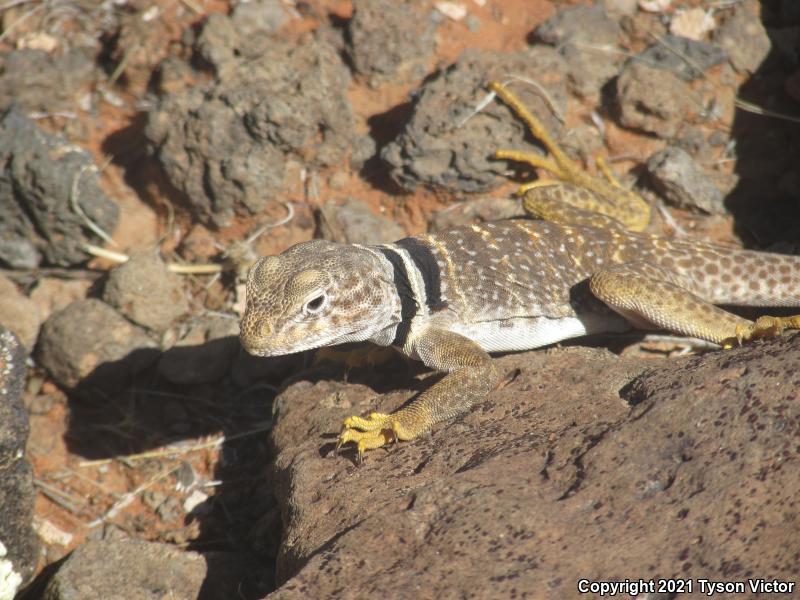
(282, 347)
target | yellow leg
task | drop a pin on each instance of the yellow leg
(651, 297)
(766, 327)
(619, 203)
(534, 160)
(534, 126)
(601, 164)
(471, 375)
(374, 431)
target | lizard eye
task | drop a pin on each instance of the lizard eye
(316, 304)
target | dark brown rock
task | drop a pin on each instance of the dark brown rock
(39, 81)
(682, 183)
(354, 223)
(566, 472)
(688, 59)
(226, 145)
(259, 17)
(127, 569)
(18, 544)
(42, 179)
(742, 35)
(451, 136)
(655, 100)
(204, 354)
(91, 344)
(391, 40)
(586, 37)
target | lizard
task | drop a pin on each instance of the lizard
(582, 265)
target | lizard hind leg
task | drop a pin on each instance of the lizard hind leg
(649, 295)
(567, 205)
(529, 158)
(619, 203)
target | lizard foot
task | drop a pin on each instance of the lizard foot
(374, 431)
(764, 327)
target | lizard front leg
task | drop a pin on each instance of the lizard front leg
(470, 376)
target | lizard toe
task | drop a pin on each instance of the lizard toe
(766, 327)
(373, 422)
(364, 440)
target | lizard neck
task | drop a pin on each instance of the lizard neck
(416, 288)
(393, 279)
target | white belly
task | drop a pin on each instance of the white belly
(525, 333)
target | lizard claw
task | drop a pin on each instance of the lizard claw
(763, 327)
(373, 431)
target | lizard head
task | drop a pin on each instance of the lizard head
(315, 294)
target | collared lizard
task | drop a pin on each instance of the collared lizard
(451, 298)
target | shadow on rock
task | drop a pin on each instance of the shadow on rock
(177, 402)
(764, 200)
(182, 401)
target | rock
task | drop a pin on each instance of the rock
(41, 175)
(640, 29)
(743, 37)
(39, 81)
(621, 7)
(18, 545)
(226, 144)
(692, 23)
(199, 245)
(201, 356)
(682, 56)
(146, 292)
(473, 23)
(130, 48)
(583, 142)
(655, 100)
(18, 313)
(481, 209)
(786, 43)
(52, 293)
(89, 345)
(171, 76)
(218, 41)
(567, 469)
(354, 223)
(18, 252)
(448, 144)
(137, 570)
(790, 12)
(579, 25)
(678, 178)
(391, 41)
(580, 34)
(258, 17)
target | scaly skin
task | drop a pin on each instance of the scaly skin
(450, 298)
